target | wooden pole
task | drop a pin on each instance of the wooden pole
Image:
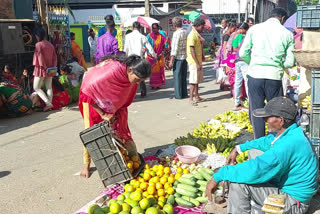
(147, 8)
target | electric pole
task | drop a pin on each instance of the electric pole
(147, 8)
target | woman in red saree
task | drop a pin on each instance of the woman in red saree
(106, 92)
(77, 52)
(158, 43)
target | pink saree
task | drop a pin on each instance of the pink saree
(108, 86)
(158, 42)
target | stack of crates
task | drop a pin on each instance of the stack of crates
(315, 110)
(308, 16)
(106, 156)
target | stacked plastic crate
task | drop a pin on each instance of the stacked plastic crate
(315, 110)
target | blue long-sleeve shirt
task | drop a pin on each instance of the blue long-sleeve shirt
(289, 164)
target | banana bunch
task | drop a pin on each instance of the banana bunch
(241, 119)
(242, 157)
(213, 131)
(305, 103)
(211, 148)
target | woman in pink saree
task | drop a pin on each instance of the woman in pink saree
(158, 42)
(106, 92)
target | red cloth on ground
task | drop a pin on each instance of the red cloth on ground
(59, 99)
(108, 86)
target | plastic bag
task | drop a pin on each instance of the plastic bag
(221, 77)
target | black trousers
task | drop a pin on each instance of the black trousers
(259, 91)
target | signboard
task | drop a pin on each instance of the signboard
(186, 24)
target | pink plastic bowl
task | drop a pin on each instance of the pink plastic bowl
(188, 154)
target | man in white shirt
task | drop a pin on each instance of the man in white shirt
(135, 43)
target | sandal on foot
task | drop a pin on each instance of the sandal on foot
(193, 103)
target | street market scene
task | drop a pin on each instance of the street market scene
(160, 107)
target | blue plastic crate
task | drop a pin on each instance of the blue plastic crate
(308, 16)
(316, 147)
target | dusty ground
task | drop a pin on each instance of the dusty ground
(41, 153)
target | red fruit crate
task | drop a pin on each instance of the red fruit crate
(106, 155)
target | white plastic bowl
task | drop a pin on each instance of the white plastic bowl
(188, 154)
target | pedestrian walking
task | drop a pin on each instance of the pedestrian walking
(241, 66)
(44, 59)
(106, 92)
(195, 56)
(92, 40)
(267, 48)
(107, 44)
(135, 42)
(178, 59)
(158, 43)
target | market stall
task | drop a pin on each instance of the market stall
(172, 180)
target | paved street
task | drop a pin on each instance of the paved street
(41, 153)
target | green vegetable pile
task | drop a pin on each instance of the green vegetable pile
(190, 188)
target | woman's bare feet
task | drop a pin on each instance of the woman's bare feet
(85, 172)
(47, 108)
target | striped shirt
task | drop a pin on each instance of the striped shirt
(179, 44)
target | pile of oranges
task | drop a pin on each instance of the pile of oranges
(156, 182)
(132, 160)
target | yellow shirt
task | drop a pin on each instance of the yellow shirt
(193, 40)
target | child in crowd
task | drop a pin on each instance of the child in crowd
(69, 80)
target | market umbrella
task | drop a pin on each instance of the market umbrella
(194, 15)
(291, 22)
(143, 20)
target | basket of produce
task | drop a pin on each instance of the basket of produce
(307, 58)
(115, 162)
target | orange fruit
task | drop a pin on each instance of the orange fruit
(163, 180)
(115, 208)
(171, 180)
(172, 175)
(127, 158)
(151, 190)
(147, 171)
(152, 210)
(161, 192)
(130, 164)
(179, 170)
(155, 167)
(153, 173)
(129, 188)
(186, 171)
(137, 184)
(145, 194)
(152, 185)
(156, 179)
(140, 179)
(139, 190)
(167, 185)
(136, 165)
(162, 198)
(135, 158)
(159, 186)
(160, 167)
(177, 176)
(147, 166)
(143, 186)
(167, 170)
(146, 176)
(160, 173)
(132, 182)
(170, 190)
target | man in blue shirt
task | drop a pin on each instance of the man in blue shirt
(103, 30)
(288, 165)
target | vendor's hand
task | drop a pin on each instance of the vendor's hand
(211, 188)
(231, 160)
(108, 117)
